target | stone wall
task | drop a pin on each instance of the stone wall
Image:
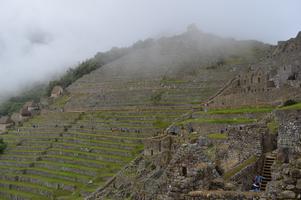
(259, 98)
(156, 145)
(289, 136)
(286, 181)
(243, 142)
(222, 195)
(189, 170)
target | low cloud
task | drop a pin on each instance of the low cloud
(39, 39)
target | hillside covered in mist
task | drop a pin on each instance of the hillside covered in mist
(190, 53)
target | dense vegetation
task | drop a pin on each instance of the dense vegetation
(73, 74)
(3, 145)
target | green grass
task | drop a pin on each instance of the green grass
(60, 192)
(296, 106)
(175, 81)
(242, 110)
(66, 166)
(160, 123)
(62, 174)
(238, 168)
(96, 147)
(98, 162)
(218, 121)
(217, 136)
(98, 156)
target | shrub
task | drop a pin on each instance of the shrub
(289, 102)
(3, 145)
(156, 98)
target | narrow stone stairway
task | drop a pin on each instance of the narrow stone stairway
(266, 171)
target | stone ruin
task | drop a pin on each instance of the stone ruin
(286, 172)
(289, 134)
(260, 87)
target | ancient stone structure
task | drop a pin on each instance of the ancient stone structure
(17, 118)
(5, 122)
(286, 181)
(29, 109)
(159, 144)
(289, 134)
(161, 148)
(57, 91)
(259, 88)
(31, 106)
(222, 195)
(189, 169)
(270, 82)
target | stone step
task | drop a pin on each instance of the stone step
(266, 172)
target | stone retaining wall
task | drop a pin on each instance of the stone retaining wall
(222, 195)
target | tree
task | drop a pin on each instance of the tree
(3, 145)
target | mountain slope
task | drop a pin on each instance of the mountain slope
(108, 113)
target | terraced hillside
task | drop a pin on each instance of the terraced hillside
(67, 155)
(213, 125)
(181, 70)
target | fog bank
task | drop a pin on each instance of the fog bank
(39, 39)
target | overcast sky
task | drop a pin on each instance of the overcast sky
(39, 38)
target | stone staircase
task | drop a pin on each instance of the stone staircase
(266, 171)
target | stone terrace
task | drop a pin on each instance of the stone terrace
(71, 154)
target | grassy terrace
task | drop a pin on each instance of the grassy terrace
(73, 163)
(218, 121)
(70, 162)
(227, 116)
(243, 110)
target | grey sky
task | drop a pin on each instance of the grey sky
(39, 38)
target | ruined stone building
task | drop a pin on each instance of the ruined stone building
(57, 91)
(260, 87)
(162, 145)
(268, 83)
(5, 122)
(29, 109)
